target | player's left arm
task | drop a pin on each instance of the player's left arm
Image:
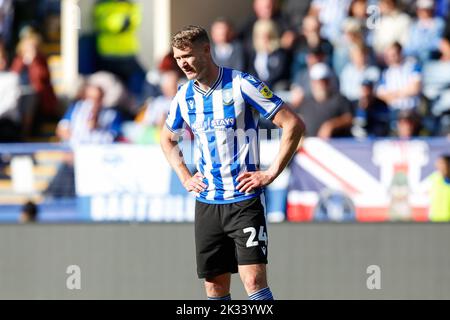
(293, 130)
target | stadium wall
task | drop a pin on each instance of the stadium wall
(204, 12)
(156, 261)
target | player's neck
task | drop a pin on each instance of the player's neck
(210, 77)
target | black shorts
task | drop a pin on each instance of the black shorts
(228, 235)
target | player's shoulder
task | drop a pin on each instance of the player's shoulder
(234, 73)
(250, 79)
(249, 83)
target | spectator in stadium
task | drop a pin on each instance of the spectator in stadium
(226, 50)
(436, 87)
(371, 116)
(327, 113)
(301, 86)
(87, 121)
(23, 14)
(425, 32)
(115, 95)
(357, 70)
(331, 14)
(116, 24)
(400, 83)
(358, 12)
(156, 111)
(150, 120)
(309, 38)
(29, 213)
(265, 10)
(38, 100)
(268, 62)
(440, 191)
(352, 36)
(392, 27)
(408, 124)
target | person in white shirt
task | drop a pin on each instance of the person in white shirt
(393, 27)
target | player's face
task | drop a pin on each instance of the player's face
(191, 60)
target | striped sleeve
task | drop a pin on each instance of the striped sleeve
(259, 96)
(174, 119)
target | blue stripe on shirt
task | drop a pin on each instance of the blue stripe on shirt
(229, 112)
(208, 111)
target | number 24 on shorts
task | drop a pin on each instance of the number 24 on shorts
(262, 236)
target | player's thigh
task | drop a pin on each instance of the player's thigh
(248, 228)
(215, 251)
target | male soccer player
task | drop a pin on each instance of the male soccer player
(222, 108)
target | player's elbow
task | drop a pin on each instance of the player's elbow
(165, 140)
(298, 127)
(302, 126)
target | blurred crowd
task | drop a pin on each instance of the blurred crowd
(350, 68)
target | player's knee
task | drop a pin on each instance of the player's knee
(254, 282)
(216, 287)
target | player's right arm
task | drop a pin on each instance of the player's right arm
(169, 143)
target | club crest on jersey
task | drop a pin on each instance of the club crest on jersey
(265, 91)
(227, 97)
(191, 103)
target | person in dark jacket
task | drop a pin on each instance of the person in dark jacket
(269, 61)
(226, 51)
(38, 101)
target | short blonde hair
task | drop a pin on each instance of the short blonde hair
(266, 26)
(188, 36)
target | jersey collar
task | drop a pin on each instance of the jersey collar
(213, 87)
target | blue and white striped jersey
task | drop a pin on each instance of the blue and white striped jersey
(399, 77)
(224, 121)
(77, 118)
